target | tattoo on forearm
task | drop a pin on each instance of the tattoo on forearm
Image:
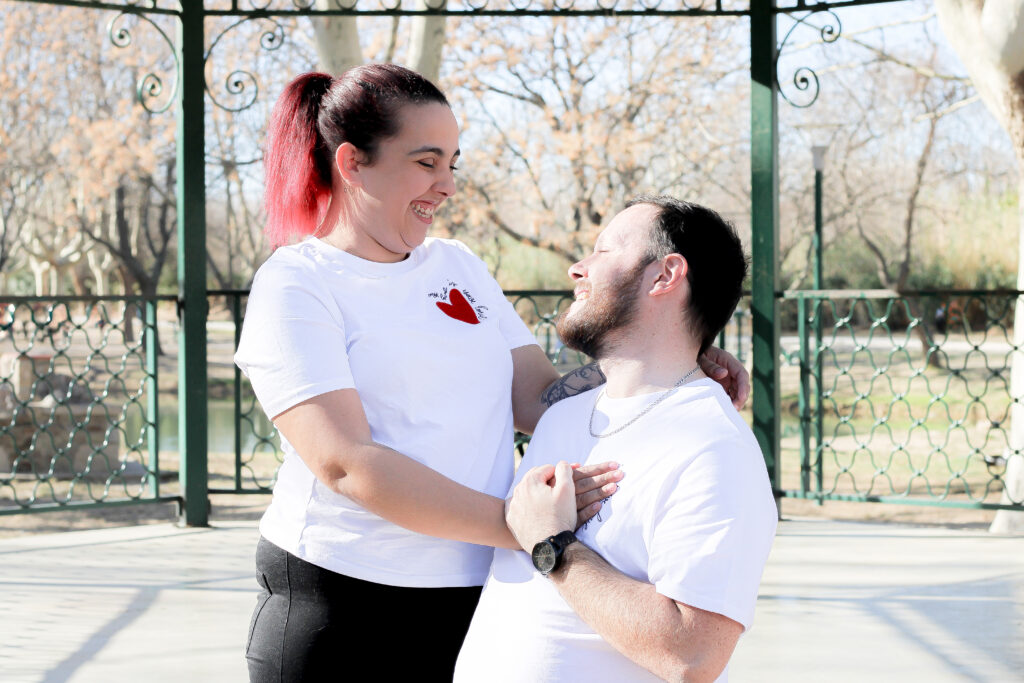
(576, 382)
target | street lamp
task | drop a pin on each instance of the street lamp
(818, 153)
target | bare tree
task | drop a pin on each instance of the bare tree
(567, 119)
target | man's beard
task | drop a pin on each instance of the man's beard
(611, 308)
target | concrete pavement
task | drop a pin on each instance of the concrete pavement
(839, 601)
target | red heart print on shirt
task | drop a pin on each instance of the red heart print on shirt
(459, 308)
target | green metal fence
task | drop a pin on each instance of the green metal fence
(884, 397)
(251, 466)
(900, 398)
(79, 379)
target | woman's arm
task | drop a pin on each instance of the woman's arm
(725, 369)
(331, 435)
(536, 385)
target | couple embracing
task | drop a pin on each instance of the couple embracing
(629, 544)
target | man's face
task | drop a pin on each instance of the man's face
(608, 282)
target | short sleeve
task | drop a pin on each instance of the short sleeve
(292, 346)
(711, 533)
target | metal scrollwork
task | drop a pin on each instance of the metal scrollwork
(805, 80)
(150, 88)
(240, 84)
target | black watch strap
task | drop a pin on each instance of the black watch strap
(547, 555)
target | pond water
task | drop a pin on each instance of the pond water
(220, 427)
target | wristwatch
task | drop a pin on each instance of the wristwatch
(547, 555)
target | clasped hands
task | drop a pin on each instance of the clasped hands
(552, 498)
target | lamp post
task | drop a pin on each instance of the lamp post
(818, 153)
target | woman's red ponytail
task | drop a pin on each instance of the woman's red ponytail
(297, 187)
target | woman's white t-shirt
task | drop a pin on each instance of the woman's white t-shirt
(426, 343)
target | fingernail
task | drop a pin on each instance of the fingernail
(609, 488)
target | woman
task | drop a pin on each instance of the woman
(394, 369)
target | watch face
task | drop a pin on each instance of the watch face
(544, 556)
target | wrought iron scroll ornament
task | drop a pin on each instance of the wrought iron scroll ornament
(242, 84)
(805, 80)
(150, 88)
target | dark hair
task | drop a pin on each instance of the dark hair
(714, 256)
(314, 115)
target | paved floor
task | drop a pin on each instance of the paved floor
(839, 602)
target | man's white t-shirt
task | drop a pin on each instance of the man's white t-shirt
(694, 516)
(426, 343)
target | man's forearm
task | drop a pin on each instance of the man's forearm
(579, 380)
(649, 628)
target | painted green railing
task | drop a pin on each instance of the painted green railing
(252, 465)
(78, 392)
(885, 397)
(902, 398)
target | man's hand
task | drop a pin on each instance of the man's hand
(542, 505)
(723, 367)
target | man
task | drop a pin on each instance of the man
(663, 581)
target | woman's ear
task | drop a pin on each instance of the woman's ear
(348, 160)
(671, 274)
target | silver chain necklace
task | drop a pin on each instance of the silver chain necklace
(650, 406)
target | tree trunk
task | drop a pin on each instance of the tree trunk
(78, 280)
(337, 41)
(427, 40)
(338, 48)
(98, 265)
(39, 269)
(128, 282)
(149, 292)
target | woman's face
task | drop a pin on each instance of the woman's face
(413, 174)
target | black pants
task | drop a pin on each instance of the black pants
(311, 624)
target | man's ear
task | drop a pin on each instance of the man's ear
(349, 160)
(670, 275)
